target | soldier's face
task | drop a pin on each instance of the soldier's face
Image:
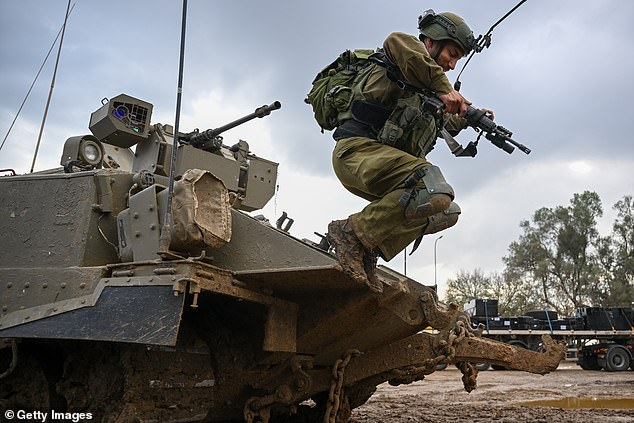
(449, 55)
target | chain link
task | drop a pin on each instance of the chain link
(447, 347)
(336, 386)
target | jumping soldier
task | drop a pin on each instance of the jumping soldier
(381, 148)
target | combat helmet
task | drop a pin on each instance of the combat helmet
(446, 26)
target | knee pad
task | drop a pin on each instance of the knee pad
(443, 220)
(435, 198)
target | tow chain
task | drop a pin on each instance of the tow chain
(457, 333)
(336, 386)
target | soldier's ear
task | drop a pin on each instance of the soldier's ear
(429, 43)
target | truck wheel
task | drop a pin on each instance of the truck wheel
(588, 363)
(617, 359)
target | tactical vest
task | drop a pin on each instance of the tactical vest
(338, 102)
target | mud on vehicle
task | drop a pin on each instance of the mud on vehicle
(235, 320)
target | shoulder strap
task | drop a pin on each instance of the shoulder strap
(393, 72)
(395, 75)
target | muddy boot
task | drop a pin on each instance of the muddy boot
(370, 259)
(348, 249)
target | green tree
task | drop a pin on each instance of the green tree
(467, 286)
(558, 254)
(618, 255)
(514, 295)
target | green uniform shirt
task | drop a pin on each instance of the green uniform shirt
(410, 55)
(377, 171)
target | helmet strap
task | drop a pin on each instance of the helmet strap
(441, 47)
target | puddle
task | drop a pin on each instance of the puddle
(611, 403)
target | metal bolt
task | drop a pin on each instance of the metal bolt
(5, 308)
(128, 280)
(413, 314)
(44, 285)
(63, 285)
(55, 309)
(27, 317)
(9, 285)
(26, 285)
(152, 226)
(151, 208)
(135, 215)
(82, 285)
(83, 301)
(106, 280)
(137, 234)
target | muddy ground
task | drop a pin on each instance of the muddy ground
(441, 398)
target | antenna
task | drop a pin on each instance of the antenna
(34, 81)
(166, 231)
(482, 42)
(50, 93)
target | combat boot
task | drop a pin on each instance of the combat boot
(350, 252)
(370, 258)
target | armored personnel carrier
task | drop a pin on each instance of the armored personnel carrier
(229, 318)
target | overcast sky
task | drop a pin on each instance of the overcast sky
(558, 74)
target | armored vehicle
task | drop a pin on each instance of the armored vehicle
(228, 318)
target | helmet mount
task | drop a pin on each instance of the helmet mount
(446, 26)
(449, 26)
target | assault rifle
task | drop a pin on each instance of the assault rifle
(478, 120)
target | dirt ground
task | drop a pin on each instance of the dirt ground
(441, 397)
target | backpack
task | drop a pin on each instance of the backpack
(337, 85)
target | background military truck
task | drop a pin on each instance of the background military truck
(235, 320)
(597, 337)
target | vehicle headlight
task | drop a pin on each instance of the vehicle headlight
(90, 152)
(83, 152)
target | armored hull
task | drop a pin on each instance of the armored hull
(235, 320)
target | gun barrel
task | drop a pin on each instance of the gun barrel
(521, 147)
(197, 139)
(260, 112)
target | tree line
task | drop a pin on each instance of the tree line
(560, 262)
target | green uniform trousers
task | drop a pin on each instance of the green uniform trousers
(377, 172)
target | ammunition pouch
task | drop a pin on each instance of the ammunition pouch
(410, 127)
